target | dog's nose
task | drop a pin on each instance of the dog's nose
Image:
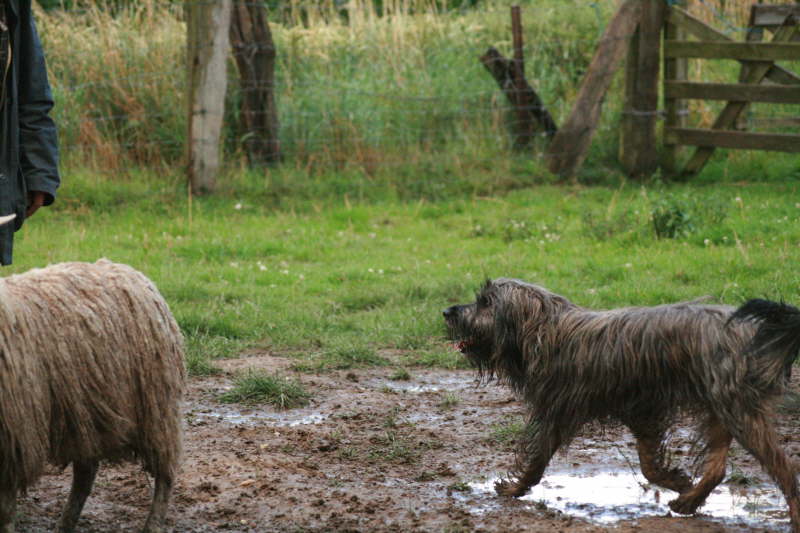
(450, 311)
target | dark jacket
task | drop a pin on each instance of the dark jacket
(28, 140)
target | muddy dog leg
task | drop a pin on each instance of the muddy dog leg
(719, 442)
(537, 445)
(650, 446)
(757, 435)
(83, 474)
(158, 508)
(8, 509)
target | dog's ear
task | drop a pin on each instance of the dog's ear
(517, 313)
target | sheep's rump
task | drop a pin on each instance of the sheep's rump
(91, 367)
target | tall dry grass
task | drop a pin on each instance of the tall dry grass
(364, 85)
(118, 80)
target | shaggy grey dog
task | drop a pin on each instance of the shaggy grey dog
(641, 366)
(91, 369)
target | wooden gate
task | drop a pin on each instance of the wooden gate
(761, 80)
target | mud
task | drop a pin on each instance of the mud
(375, 454)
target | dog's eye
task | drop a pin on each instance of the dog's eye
(483, 301)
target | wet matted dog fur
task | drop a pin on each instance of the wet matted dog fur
(641, 366)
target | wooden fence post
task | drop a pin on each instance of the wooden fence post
(638, 147)
(524, 125)
(568, 149)
(675, 69)
(254, 52)
(208, 23)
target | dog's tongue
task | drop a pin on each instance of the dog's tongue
(460, 345)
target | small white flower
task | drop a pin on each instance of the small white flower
(234, 264)
(285, 272)
(238, 206)
(628, 265)
(380, 271)
(262, 268)
(370, 270)
(592, 291)
(707, 242)
(301, 276)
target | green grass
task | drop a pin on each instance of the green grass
(336, 283)
(507, 433)
(257, 387)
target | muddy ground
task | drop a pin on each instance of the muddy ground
(371, 453)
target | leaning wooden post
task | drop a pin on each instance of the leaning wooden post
(502, 70)
(638, 147)
(568, 149)
(207, 23)
(675, 69)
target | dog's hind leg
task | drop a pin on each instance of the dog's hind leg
(757, 435)
(718, 444)
(83, 474)
(650, 446)
(538, 444)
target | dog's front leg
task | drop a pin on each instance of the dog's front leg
(537, 445)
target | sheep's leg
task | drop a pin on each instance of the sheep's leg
(83, 474)
(158, 509)
(8, 508)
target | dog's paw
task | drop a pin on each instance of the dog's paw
(510, 488)
(683, 505)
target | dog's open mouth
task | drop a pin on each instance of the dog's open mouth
(463, 345)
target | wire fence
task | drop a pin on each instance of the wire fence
(358, 84)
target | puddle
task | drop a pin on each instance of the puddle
(418, 386)
(255, 418)
(606, 497)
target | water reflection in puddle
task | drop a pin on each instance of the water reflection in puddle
(254, 418)
(417, 386)
(607, 497)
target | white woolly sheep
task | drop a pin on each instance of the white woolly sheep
(91, 369)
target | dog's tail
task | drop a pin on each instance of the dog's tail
(778, 329)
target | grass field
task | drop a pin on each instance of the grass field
(334, 282)
(397, 195)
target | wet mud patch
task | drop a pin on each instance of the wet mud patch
(375, 453)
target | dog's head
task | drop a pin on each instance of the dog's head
(502, 325)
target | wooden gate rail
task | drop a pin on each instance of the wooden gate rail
(772, 16)
(752, 92)
(757, 59)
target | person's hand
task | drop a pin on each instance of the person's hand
(35, 201)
